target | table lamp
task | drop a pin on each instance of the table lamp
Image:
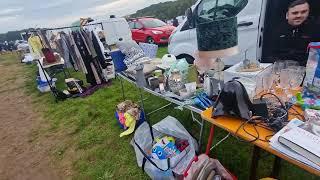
(216, 26)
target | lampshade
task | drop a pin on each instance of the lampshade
(216, 26)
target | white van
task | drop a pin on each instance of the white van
(255, 25)
(115, 29)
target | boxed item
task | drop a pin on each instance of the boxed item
(251, 80)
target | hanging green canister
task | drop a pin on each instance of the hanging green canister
(216, 26)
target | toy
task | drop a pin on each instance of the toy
(130, 123)
(182, 144)
(122, 120)
(158, 152)
(165, 139)
(128, 115)
(164, 148)
(308, 100)
(203, 101)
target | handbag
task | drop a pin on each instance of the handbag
(47, 53)
(49, 56)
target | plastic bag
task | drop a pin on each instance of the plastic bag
(181, 65)
(162, 169)
(204, 167)
(168, 60)
(312, 79)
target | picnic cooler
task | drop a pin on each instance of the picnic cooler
(170, 168)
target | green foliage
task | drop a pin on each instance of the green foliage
(13, 35)
(166, 10)
(10, 36)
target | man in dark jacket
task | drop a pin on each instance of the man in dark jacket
(175, 22)
(293, 36)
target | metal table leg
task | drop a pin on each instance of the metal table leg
(276, 168)
(201, 124)
(254, 162)
(141, 98)
(122, 89)
(201, 134)
(158, 109)
(210, 139)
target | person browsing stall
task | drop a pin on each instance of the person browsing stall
(293, 36)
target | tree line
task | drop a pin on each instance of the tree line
(164, 11)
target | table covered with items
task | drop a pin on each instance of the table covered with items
(261, 103)
(278, 116)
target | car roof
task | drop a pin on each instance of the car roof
(140, 18)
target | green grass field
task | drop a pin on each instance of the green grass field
(91, 135)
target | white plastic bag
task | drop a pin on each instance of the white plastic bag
(312, 79)
(168, 168)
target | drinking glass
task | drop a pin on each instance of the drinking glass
(289, 63)
(276, 69)
(297, 74)
(294, 78)
(267, 83)
(302, 73)
(285, 79)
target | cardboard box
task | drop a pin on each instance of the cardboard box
(251, 80)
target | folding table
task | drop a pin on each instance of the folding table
(232, 125)
(193, 109)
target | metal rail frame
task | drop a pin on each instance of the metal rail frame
(171, 100)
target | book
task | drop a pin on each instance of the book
(304, 140)
(276, 145)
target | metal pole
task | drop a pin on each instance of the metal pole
(210, 139)
(201, 134)
(141, 98)
(158, 109)
(122, 89)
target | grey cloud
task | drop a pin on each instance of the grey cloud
(20, 14)
(10, 11)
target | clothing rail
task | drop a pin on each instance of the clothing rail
(66, 27)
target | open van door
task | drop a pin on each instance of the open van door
(250, 21)
(184, 40)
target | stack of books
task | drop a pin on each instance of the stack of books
(300, 140)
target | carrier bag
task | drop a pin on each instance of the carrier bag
(170, 168)
(49, 56)
(312, 79)
(203, 167)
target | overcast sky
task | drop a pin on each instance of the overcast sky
(20, 14)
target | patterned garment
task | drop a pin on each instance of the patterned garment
(132, 51)
(36, 46)
(150, 50)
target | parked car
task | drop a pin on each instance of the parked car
(256, 23)
(150, 30)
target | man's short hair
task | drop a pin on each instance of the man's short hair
(296, 3)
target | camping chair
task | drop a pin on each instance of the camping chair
(55, 92)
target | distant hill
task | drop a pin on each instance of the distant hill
(165, 10)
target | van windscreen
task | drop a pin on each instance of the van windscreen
(152, 23)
